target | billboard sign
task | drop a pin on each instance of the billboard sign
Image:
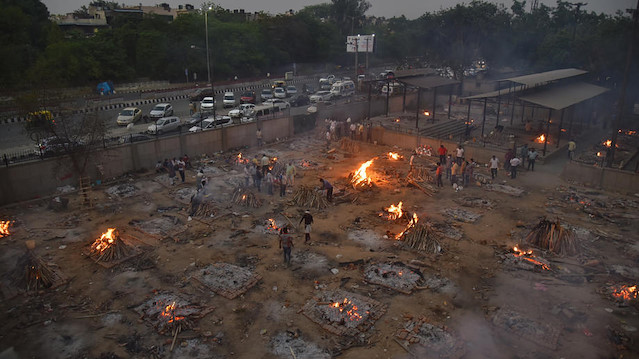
(364, 43)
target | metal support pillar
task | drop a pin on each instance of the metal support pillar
(547, 134)
(561, 123)
(483, 122)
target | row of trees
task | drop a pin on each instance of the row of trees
(35, 51)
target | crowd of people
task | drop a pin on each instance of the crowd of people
(336, 129)
(172, 167)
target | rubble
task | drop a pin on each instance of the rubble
(227, 280)
(461, 215)
(438, 341)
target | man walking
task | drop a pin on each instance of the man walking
(290, 174)
(571, 149)
(494, 165)
(329, 189)
(308, 221)
(181, 167)
(286, 244)
(532, 156)
(513, 167)
(264, 162)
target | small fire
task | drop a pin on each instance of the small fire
(394, 212)
(397, 120)
(541, 138)
(4, 228)
(394, 156)
(526, 255)
(599, 154)
(360, 175)
(607, 143)
(410, 225)
(243, 197)
(426, 113)
(240, 159)
(169, 312)
(272, 225)
(625, 292)
(106, 240)
(346, 306)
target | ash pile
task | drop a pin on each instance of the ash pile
(227, 280)
(168, 313)
(122, 191)
(344, 313)
(474, 202)
(396, 276)
(461, 215)
(164, 226)
(288, 343)
(435, 339)
(544, 334)
(513, 191)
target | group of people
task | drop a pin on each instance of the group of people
(260, 170)
(512, 161)
(335, 130)
(456, 170)
(173, 166)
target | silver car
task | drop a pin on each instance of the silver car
(165, 124)
(161, 110)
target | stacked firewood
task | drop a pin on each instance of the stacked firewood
(422, 238)
(348, 145)
(103, 250)
(309, 197)
(205, 209)
(32, 272)
(553, 237)
(244, 197)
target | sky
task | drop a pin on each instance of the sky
(410, 8)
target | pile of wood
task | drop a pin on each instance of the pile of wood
(245, 197)
(553, 237)
(424, 187)
(348, 145)
(105, 250)
(203, 209)
(32, 272)
(422, 238)
(309, 197)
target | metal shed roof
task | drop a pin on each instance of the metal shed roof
(560, 97)
(543, 78)
(502, 92)
(428, 82)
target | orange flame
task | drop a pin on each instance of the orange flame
(351, 312)
(105, 241)
(360, 175)
(526, 255)
(272, 225)
(607, 143)
(169, 311)
(625, 292)
(243, 197)
(426, 113)
(4, 228)
(394, 212)
(410, 225)
(541, 138)
(393, 156)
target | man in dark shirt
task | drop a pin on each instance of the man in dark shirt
(286, 243)
(308, 220)
(329, 189)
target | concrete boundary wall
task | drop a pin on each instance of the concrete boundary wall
(30, 180)
(609, 179)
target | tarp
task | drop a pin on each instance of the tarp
(429, 82)
(560, 97)
(543, 78)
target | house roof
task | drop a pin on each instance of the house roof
(428, 82)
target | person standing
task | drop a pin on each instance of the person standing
(269, 182)
(286, 244)
(328, 140)
(329, 189)
(181, 167)
(442, 154)
(258, 179)
(264, 163)
(258, 134)
(532, 156)
(438, 174)
(454, 171)
(494, 165)
(247, 174)
(369, 133)
(290, 174)
(514, 162)
(523, 154)
(198, 179)
(360, 129)
(282, 180)
(411, 162)
(460, 154)
(171, 168)
(468, 173)
(449, 166)
(353, 130)
(308, 221)
(572, 146)
(507, 157)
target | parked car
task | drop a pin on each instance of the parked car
(291, 90)
(197, 117)
(53, 146)
(279, 92)
(211, 123)
(299, 100)
(134, 137)
(248, 97)
(243, 110)
(321, 96)
(161, 110)
(276, 102)
(129, 115)
(207, 103)
(266, 94)
(386, 74)
(279, 83)
(200, 94)
(343, 88)
(229, 99)
(165, 124)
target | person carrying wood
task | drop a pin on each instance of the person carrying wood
(308, 221)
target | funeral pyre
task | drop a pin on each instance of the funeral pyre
(526, 260)
(422, 237)
(439, 341)
(109, 247)
(309, 197)
(246, 198)
(393, 275)
(342, 312)
(170, 314)
(359, 178)
(624, 294)
(394, 156)
(31, 272)
(4, 229)
(393, 212)
(551, 236)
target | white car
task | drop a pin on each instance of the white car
(207, 103)
(291, 90)
(321, 96)
(276, 102)
(243, 110)
(279, 92)
(211, 123)
(161, 110)
(165, 124)
(229, 99)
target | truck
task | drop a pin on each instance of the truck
(343, 88)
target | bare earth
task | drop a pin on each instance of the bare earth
(470, 301)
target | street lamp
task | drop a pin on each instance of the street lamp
(208, 57)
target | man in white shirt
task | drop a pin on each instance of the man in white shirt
(460, 155)
(494, 165)
(514, 163)
(532, 156)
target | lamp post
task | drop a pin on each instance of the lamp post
(356, 53)
(367, 50)
(208, 57)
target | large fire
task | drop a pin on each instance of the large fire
(413, 221)
(541, 138)
(360, 175)
(393, 212)
(4, 228)
(169, 312)
(346, 306)
(528, 256)
(105, 241)
(394, 156)
(625, 292)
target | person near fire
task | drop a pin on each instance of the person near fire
(412, 161)
(442, 154)
(438, 174)
(532, 157)
(269, 182)
(460, 154)
(286, 244)
(264, 163)
(507, 157)
(449, 166)
(494, 165)
(282, 181)
(307, 218)
(454, 172)
(468, 172)
(290, 173)
(329, 189)
(571, 149)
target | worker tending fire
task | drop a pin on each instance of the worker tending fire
(393, 212)
(528, 256)
(360, 176)
(109, 247)
(4, 228)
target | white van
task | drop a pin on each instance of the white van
(229, 99)
(343, 88)
(263, 111)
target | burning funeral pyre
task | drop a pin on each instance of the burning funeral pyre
(32, 273)
(170, 314)
(437, 340)
(4, 229)
(360, 178)
(394, 156)
(110, 247)
(624, 294)
(246, 198)
(551, 236)
(422, 237)
(393, 212)
(526, 260)
(227, 280)
(309, 197)
(393, 275)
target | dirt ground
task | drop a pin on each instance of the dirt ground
(488, 308)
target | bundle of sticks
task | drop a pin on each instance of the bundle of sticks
(306, 196)
(426, 188)
(244, 197)
(422, 238)
(349, 145)
(553, 237)
(107, 250)
(205, 209)
(33, 273)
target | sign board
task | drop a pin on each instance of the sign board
(364, 43)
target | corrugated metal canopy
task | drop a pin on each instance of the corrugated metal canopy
(560, 97)
(429, 82)
(543, 78)
(490, 94)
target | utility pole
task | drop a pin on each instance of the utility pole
(622, 96)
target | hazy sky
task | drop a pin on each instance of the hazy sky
(409, 8)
